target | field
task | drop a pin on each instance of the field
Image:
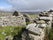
(10, 31)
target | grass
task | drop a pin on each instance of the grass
(33, 15)
(46, 33)
(9, 30)
(49, 34)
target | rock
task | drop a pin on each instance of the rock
(42, 26)
(15, 13)
(25, 35)
(31, 25)
(50, 10)
(27, 17)
(34, 29)
(9, 38)
(12, 21)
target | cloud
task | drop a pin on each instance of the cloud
(31, 4)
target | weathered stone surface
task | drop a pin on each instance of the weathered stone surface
(34, 29)
(44, 19)
(12, 20)
(27, 17)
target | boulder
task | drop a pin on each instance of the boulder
(34, 29)
(15, 13)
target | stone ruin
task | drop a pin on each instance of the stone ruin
(15, 19)
(36, 30)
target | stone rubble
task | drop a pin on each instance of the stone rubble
(12, 20)
(36, 31)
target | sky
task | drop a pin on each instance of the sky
(26, 5)
(4, 5)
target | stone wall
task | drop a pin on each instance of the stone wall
(7, 19)
(36, 30)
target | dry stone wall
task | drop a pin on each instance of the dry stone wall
(7, 19)
(36, 30)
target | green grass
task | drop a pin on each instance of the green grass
(9, 30)
(49, 34)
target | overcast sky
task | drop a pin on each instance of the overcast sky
(23, 5)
